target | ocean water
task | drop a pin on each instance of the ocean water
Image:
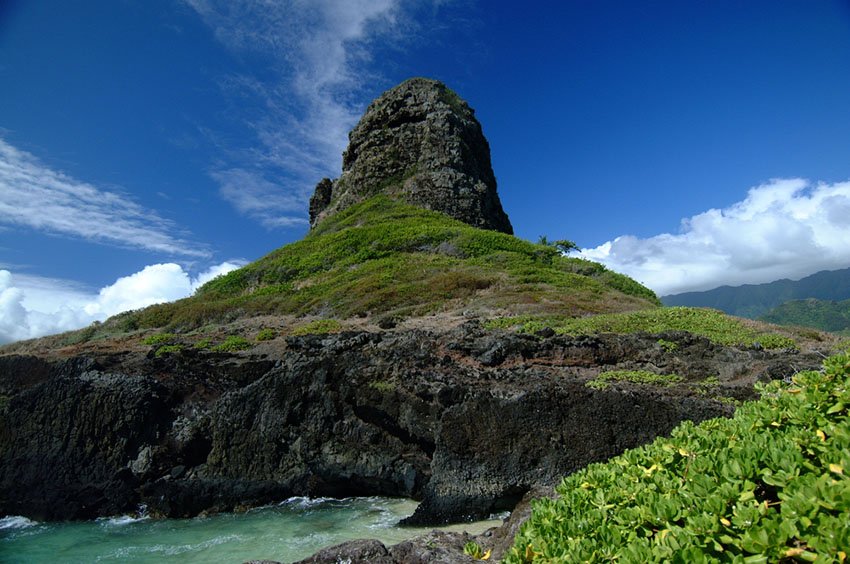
(286, 532)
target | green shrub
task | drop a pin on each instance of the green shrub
(668, 346)
(168, 349)
(382, 386)
(203, 343)
(318, 327)
(474, 550)
(771, 484)
(603, 381)
(233, 343)
(159, 339)
(266, 334)
(707, 385)
(769, 341)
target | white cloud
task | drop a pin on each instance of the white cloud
(35, 196)
(319, 52)
(33, 306)
(787, 228)
(256, 197)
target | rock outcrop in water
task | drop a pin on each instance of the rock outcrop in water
(419, 142)
(466, 420)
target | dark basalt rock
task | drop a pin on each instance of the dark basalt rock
(465, 420)
(419, 142)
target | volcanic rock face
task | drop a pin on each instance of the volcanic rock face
(419, 142)
(466, 420)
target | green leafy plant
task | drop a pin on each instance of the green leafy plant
(317, 327)
(474, 550)
(168, 349)
(382, 386)
(668, 346)
(769, 341)
(266, 334)
(233, 343)
(707, 385)
(159, 339)
(771, 484)
(204, 343)
(603, 381)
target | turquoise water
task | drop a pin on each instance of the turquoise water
(290, 531)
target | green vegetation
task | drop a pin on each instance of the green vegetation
(712, 324)
(474, 550)
(708, 385)
(821, 314)
(382, 385)
(603, 381)
(266, 334)
(382, 256)
(668, 346)
(771, 484)
(159, 339)
(563, 245)
(203, 343)
(168, 349)
(318, 327)
(233, 343)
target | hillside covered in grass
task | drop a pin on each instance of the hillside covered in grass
(386, 258)
(714, 325)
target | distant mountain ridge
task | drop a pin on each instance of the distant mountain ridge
(754, 300)
(825, 315)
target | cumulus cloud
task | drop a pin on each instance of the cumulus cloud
(36, 196)
(319, 84)
(33, 306)
(787, 228)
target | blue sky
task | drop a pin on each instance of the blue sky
(147, 146)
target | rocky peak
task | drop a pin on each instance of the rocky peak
(419, 142)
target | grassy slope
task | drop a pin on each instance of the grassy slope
(382, 257)
(714, 325)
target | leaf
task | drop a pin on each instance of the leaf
(837, 468)
(726, 521)
(837, 408)
(486, 555)
(821, 435)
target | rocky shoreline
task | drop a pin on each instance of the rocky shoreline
(466, 420)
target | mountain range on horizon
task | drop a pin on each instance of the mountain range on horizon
(756, 301)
